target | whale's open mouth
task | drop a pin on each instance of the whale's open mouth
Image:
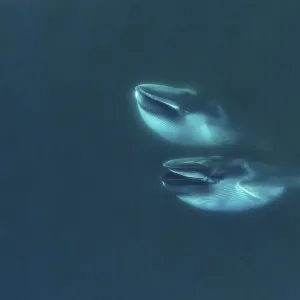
(150, 99)
(170, 178)
(191, 172)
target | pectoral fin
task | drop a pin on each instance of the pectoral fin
(263, 189)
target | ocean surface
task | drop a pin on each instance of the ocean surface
(82, 213)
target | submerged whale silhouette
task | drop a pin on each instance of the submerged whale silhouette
(181, 116)
(218, 183)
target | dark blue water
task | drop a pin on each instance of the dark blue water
(82, 215)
